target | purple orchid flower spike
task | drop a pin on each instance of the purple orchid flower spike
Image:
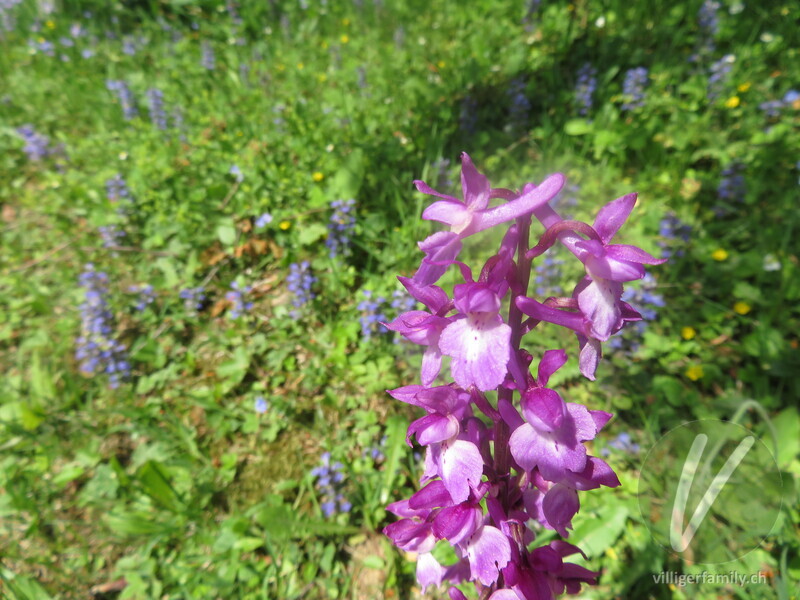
(484, 481)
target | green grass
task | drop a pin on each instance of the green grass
(172, 481)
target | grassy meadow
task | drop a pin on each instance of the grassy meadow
(205, 205)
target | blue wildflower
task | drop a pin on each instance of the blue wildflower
(732, 185)
(111, 235)
(719, 74)
(623, 443)
(300, 282)
(96, 349)
(675, 234)
(647, 301)
(237, 296)
(263, 220)
(585, 88)
(124, 97)
(260, 405)
(633, 88)
(37, 146)
(340, 227)
(146, 295)
(520, 106)
(193, 298)
(329, 480)
(158, 115)
(372, 315)
(207, 59)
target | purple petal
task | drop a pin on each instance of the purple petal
(474, 185)
(434, 428)
(431, 296)
(488, 552)
(612, 269)
(429, 571)
(524, 205)
(441, 247)
(584, 424)
(599, 301)
(632, 254)
(407, 394)
(475, 297)
(461, 468)
(613, 215)
(544, 409)
(456, 523)
(600, 417)
(456, 594)
(480, 348)
(504, 594)
(454, 214)
(537, 310)
(551, 362)
(560, 504)
(596, 473)
(431, 364)
(433, 495)
(426, 189)
(589, 357)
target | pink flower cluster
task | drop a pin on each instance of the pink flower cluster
(523, 459)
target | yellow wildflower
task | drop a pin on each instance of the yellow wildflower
(318, 176)
(742, 307)
(441, 64)
(345, 38)
(345, 21)
(744, 86)
(694, 373)
(719, 254)
(689, 187)
(688, 333)
(50, 25)
(322, 78)
(732, 102)
(300, 66)
(284, 225)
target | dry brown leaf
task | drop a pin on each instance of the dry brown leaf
(9, 214)
(212, 255)
(218, 307)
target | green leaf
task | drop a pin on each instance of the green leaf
(311, 233)
(124, 522)
(578, 127)
(18, 587)
(226, 234)
(248, 544)
(598, 532)
(787, 428)
(156, 484)
(395, 441)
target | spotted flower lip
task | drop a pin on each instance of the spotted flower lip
(478, 341)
